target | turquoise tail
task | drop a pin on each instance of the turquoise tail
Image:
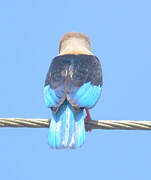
(67, 129)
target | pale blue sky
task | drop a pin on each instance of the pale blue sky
(120, 32)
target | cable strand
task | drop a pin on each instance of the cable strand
(93, 124)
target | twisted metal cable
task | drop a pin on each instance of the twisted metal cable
(93, 124)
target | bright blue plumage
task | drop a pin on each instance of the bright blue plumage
(73, 83)
(87, 95)
(50, 97)
(67, 129)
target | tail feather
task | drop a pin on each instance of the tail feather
(79, 128)
(67, 129)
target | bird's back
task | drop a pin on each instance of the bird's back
(68, 73)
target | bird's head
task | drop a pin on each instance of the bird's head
(75, 43)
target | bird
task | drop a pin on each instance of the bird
(73, 85)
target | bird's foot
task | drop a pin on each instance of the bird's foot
(88, 117)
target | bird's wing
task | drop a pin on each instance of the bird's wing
(54, 90)
(85, 81)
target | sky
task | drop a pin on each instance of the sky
(120, 33)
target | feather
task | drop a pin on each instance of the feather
(86, 96)
(67, 128)
(51, 97)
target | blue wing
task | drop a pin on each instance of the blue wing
(86, 96)
(53, 98)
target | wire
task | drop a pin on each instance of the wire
(93, 124)
(21, 122)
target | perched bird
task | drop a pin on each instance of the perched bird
(73, 83)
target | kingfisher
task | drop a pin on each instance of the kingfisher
(73, 86)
